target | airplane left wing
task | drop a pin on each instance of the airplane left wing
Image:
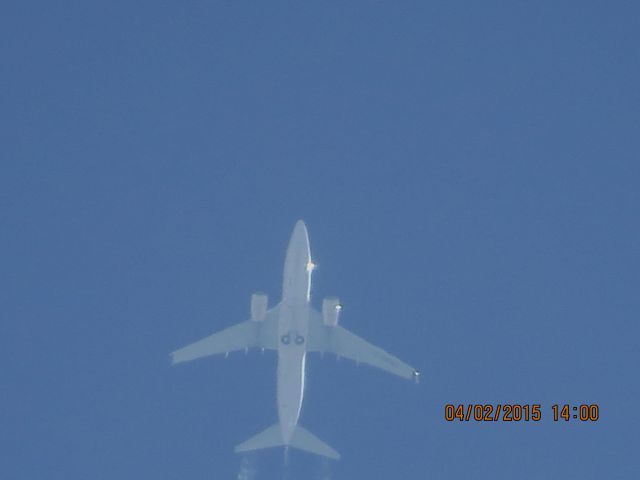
(340, 341)
(237, 337)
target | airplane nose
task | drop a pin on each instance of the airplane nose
(297, 264)
(300, 227)
(300, 235)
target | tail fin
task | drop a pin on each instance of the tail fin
(302, 439)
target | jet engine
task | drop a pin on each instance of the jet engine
(258, 307)
(331, 311)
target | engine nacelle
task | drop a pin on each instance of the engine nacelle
(259, 303)
(331, 311)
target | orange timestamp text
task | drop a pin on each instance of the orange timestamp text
(516, 412)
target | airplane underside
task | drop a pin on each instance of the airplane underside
(293, 328)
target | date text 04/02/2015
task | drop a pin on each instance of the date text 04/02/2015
(517, 412)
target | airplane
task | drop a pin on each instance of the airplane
(293, 328)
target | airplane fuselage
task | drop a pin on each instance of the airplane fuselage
(292, 330)
(293, 327)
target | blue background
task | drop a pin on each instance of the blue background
(468, 172)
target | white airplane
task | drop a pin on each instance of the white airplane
(293, 328)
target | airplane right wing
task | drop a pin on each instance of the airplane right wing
(241, 336)
(340, 341)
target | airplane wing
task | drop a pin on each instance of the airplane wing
(241, 336)
(342, 342)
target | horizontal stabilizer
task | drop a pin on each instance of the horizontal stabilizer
(305, 440)
(302, 439)
(271, 437)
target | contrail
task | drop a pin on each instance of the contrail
(325, 470)
(247, 470)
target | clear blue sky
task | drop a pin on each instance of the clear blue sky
(469, 175)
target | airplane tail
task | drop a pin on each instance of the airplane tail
(301, 439)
